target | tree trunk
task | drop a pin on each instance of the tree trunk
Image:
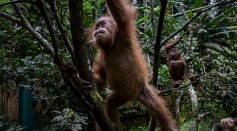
(82, 65)
(79, 39)
(71, 77)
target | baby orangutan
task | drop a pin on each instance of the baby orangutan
(121, 64)
(176, 63)
(228, 124)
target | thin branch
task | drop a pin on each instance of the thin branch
(193, 96)
(179, 30)
(201, 116)
(61, 29)
(183, 11)
(17, 1)
(200, 8)
(193, 10)
(191, 33)
(194, 17)
(40, 5)
(152, 17)
(230, 31)
(7, 39)
(11, 18)
(60, 26)
(157, 46)
(197, 121)
(221, 3)
(177, 111)
(173, 89)
(33, 32)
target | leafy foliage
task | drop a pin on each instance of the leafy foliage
(214, 58)
(67, 120)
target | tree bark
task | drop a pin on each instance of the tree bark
(79, 39)
(69, 73)
(71, 77)
(157, 47)
(82, 61)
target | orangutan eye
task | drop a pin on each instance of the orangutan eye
(100, 24)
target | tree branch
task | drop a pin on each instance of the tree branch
(197, 121)
(40, 5)
(157, 46)
(61, 29)
(179, 30)
(72, 78)
(79, 39)
(173, 89)
(194, 17)
(68, 71)
(33, 32)
(81, 55)
(191, 33)
(200, 8)
(193, 95)
(17, 1)
(152, 17)
(11, 18)
(11, 36)
(177, 111)
(194, 10)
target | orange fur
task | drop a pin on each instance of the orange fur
(176, 64)
(122, 65)
(228, 124)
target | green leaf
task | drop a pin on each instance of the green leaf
(214, 46)
(198, 3)
(219, 18)
(233, 27)
(190, 14)
(224, 32)
(2, 1)
(204, 17)
(142, 19)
